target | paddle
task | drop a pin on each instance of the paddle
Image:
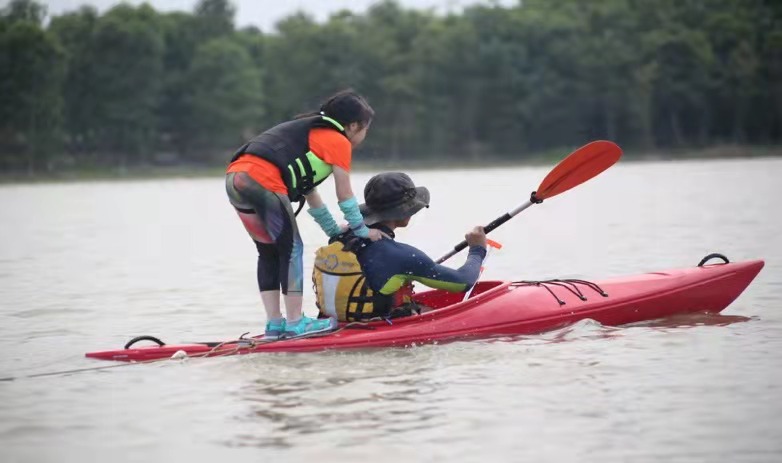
(581, 165)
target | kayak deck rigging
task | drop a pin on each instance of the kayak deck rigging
(569, 284)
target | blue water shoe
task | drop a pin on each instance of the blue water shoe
(274, 329)
(307, 325)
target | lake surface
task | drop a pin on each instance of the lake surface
(87, 266)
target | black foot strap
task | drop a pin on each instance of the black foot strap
(711, 256)
(144, 338)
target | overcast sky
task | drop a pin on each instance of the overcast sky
(264, 13)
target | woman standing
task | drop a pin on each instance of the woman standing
(284, 165)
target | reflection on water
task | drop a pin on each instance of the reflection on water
(695, 319)
(592, 329)
(365, 405)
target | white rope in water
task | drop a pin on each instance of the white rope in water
(241, 343)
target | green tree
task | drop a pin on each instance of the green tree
(128, 54)
(181, 39)
(225, 101)
(214, 18)
(31, 74)
(389, 34)
(75, 32)
(299, 70)
(769, 114)
(24, 10)
(489, 81)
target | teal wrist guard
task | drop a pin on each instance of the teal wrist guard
(323, 217)
(349, 208)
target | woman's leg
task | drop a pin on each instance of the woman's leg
(292, 277)
(291, 254)
(268, 281)
(254, 205)
(272, 224)
(291, 262)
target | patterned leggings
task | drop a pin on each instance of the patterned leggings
(269, 219)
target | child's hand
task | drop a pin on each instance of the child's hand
(375, 234)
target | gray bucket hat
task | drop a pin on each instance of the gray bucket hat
(392, 196)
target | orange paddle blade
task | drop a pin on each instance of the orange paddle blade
(580, 166)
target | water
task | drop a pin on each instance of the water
(86, 266)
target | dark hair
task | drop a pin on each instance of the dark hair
(345, 107)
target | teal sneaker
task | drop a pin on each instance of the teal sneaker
(274, 330)
(308, 325)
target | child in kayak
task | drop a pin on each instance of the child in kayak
(285, 164)
(356, 279)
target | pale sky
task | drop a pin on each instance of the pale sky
(265, 13)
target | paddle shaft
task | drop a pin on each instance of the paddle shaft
(488, 228)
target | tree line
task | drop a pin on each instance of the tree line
(135, 86)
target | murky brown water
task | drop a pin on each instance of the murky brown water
(86, 266)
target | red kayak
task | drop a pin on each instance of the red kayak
(499, 308)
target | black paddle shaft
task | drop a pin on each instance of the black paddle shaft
(494, 224)
(533, 199)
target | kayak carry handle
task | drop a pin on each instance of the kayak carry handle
(144, 338)
(714, 255)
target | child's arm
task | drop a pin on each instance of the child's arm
(349, 206)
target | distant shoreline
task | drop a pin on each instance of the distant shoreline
(441, 163)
